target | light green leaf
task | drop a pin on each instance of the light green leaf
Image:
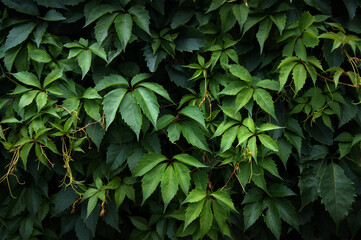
(268, 127)
(240, 11)
(27, 98)
(151, 180)
(91, 93)
(337, 192)
(284, 73)
(263, 32)
(139, 78)
(141, 17)
(41, 100)
(18, 34)
(195, 195)
(189, 160)
(221, 215)
(251, 213)
(148, 162)
(224, 198)
(157, 88)
(123, 25)
(84, 61)
(206, 218)
(111, 104)
(195, 114)
(300, 49)
(243, 98)
(24, 153)
(309, 39)
(148, 103)
(119, 196)
(228, 138)
(223, 127)
(28, 79)
(299, 76)
(91, 204)
(243, 134)
(268, 142)
(92, 108)
(131, 113)
(99, 51)
(305, 21)
(192, 212)
(168, 185)
(182, 174)
(109, 81)
(233, 88)
(265, 101)
(52, 76)
(240, 72)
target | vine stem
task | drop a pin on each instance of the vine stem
(342, 83)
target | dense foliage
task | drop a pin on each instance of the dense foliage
(137, 119)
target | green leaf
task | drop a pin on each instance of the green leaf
(215, 4)
(189, 160)
(206, 218)
(192, 212)
(55, 74)
(157, 88)
(123, 25)
(101, 29)
(27, 98)
(84, 60)
(93, 200)
(111, 104)
(221, 216)
(182, 174)
(41, 99)
(153, 60)
(243, 98)
(228, 138)
(148, 103)
(284, 73)
(109, 81)
(287, 212)
(168, 185)
(174, 131)
(91, 93)
(268, 127)
(233, 88)
(141, 17)
(227, 18)
(305, 21)
(279, 20)
(140, 223)
(272, 219)
(251, 213)
(265, 101)
(139, 78)
(97, 12)
(194, 135)
(240, 72)
(151, 180)
(268, 142)
(299, 76)
(263, 32)
(243, 134)
(195, 114)
(28, 79)
(24, 7)
(24, 153)
(40, 56)
(131, 113)
(26, 228)
(309, 39)
(224, 198)
(181, 17)
(195, 195)
(148, 162)
(240, 11)
(223, 127)
(300, 49)
(337, 192)
(18, 34)
(270, 166)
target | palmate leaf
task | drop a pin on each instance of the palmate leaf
(337, 192)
